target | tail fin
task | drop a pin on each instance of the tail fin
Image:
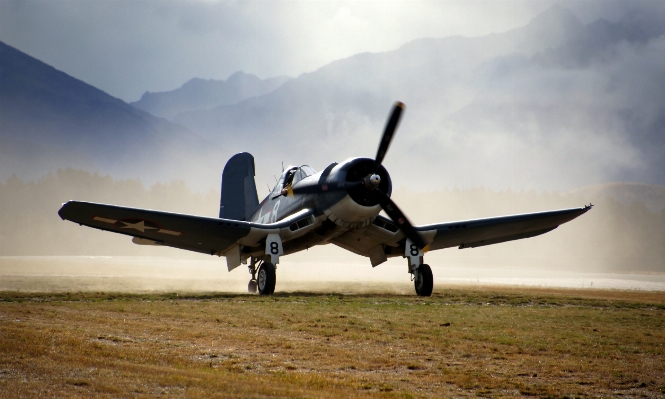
(239, 198)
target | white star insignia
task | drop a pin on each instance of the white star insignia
(140, 226)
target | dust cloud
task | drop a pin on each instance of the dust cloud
(297, 273)
(620, 244)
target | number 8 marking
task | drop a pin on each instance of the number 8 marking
(274, 248)
(414, 250)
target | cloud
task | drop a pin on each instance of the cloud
(557, 126)
(489, 115)
(128, 47)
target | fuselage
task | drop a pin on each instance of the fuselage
(334, 211)
(352, 206)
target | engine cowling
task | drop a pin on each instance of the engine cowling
(359, 205)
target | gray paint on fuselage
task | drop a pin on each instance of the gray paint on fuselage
(272, 210)
(276, 207)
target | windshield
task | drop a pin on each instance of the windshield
(307, 170)
(293, 175)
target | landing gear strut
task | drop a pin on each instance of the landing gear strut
(263, 277)
(251, 287)
(420, 272)
(263, 268)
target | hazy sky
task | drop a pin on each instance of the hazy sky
(128, 47)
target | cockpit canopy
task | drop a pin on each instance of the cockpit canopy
(292, 175)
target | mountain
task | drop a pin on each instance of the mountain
(49, 119)
(200, 94)
(555, 104)
(426, 73)
(419, 73)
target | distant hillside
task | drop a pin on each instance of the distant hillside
(434, 77)
(553, 104)
(49, 119)
(200, 94)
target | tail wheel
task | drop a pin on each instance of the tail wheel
(423, 281)
(266, 279)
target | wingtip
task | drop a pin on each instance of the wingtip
(62, 212)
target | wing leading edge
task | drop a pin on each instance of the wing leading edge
(213, 236)
(193, 233)
(481, 232)
(383, 239)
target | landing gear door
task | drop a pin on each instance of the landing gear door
(414, 254)
(274, 248)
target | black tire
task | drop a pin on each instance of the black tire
(423, 281)
(266, 279)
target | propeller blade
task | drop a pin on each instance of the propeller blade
(391, 126)
(398, 217)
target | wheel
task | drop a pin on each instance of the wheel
(266, 279)
(423, 281)
(251, 287)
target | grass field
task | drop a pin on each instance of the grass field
(460, 342)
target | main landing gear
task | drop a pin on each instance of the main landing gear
(266, 279)
(421, 274)
(423, 280)
(263, 268)
(263, 278)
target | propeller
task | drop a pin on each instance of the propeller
(388, 133)
(372, 181)
(399, 217)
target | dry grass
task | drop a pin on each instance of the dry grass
(460, 342)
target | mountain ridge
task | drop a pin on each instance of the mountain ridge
(513, 109)
(339, 74)
(202, 94)
(465, 97)
(51, 113)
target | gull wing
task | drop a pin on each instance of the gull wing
(194, 233)
(213, 236)
(481, 232)
(383, 239)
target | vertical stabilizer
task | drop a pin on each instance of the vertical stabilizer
(239, 198)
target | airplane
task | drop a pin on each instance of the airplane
(339, 205)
